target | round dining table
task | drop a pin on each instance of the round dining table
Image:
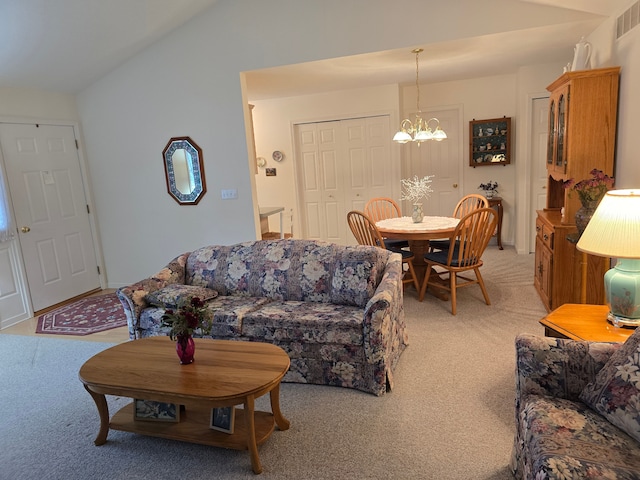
(418, 235)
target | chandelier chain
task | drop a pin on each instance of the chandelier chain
(417, 51)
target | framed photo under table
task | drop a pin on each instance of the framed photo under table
(155, 411)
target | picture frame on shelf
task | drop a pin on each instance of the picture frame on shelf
(149, 410)
(223, 419)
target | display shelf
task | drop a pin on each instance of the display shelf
(490, 142)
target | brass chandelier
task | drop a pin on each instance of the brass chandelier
(419, 131)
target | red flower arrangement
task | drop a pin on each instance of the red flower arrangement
(187, 318)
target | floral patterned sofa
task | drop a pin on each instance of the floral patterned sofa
(577, 409)
(336, 310)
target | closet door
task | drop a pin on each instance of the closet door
(318, 179)
(343, 164)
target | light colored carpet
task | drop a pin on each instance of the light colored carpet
(449, 417)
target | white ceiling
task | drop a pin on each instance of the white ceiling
(66, 45)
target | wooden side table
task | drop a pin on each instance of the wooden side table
(497, 202)
(583, 322)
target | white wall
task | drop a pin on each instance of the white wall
(274, 129)
(624, 52)
(129, 115)
(29, 103)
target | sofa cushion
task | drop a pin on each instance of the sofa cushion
(565, 440)
(615, 392)
(170, 295)
(310, 322)
(229, 312)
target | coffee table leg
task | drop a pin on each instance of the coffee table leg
(249, 411)
(103, 411)
(283, 423)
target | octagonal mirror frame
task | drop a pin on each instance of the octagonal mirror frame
(184, 170)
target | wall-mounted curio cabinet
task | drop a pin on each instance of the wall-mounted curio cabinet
(490, 142)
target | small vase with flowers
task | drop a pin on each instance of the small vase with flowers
(190, 316)
(415, 189)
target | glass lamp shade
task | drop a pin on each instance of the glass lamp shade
(422, 136)
(613, 231)
(439, 134)
(402, 137)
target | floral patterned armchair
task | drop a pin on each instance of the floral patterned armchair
(558, 436)
(336, 310)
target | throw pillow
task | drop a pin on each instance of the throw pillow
(169, 296)
(358, 271)
(615, 392)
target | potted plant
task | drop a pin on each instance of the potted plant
(490, 188)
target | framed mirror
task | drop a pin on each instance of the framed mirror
(184, 170)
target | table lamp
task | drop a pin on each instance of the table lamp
(614, 231)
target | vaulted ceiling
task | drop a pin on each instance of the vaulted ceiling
(66, 45)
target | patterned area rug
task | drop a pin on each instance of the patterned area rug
(86, 316)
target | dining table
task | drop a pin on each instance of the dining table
(418, 235)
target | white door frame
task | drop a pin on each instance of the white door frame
(524, 173)
(89, 198)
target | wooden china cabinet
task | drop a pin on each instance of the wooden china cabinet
(582, 131)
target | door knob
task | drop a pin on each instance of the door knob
(455, 185)
(25, 229)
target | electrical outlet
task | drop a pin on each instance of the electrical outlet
(229, 194)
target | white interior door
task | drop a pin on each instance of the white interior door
(47, 192)
(441, 159)
(539, 135)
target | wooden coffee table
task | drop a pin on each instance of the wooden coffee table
(583, 322)
(224, 373)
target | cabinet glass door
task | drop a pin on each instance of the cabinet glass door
(559, 155)
(551, 130)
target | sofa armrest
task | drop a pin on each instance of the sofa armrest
(557, 367)
(384, 327)
(133, 296)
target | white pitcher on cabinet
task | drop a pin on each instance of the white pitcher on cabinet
(581, 55)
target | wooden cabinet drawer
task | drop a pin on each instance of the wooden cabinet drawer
(547, 236)
(539, 225)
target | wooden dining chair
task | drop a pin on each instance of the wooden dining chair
(366, 233)
(464, 254)
(381, 208)
(466, 205)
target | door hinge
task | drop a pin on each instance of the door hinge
(88, 210)
(98, 268)
(77, 146)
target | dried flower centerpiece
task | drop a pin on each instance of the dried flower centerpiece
(189, 317)
(415, 190)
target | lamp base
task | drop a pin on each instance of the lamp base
(622, 292)
(623, 322)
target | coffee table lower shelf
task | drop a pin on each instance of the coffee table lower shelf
(193, 427)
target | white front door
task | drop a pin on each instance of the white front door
(539, 136)
(441, 159)
(51, 212)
